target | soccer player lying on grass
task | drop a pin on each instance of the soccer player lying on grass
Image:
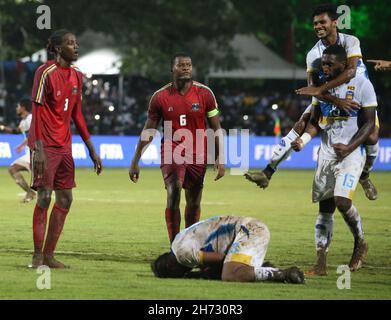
(229, 248)
(341, 156)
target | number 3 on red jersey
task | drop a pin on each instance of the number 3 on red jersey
(182, 120)
(66, 104)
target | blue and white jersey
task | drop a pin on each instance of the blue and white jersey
(351, 45)
(212, 235)
(340, 127)
(24, 127)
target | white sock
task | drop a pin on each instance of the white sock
(372, 149)
(283, 150)
(324, 230)
(263, 274)
(353, 220)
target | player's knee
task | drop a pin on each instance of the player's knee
(300, 125)
(327, 205)
(12, 170)
(44, 198)
(64, 200)
(343, 204)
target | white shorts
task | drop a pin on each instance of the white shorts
(337, 178)
(23, 161)
(250, 244)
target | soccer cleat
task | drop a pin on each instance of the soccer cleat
(259, 178)
(359, 253)
(293, 275)
(320, 268)
(53, 263)
(369, 188)
(37, 260)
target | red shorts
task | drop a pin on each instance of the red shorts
(188, 175)
(59, 173)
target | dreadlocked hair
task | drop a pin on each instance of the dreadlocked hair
(55, 40)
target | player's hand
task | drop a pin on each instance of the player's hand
(40, 162)
(381, 65)
(341, 150)
(347, 105)
(297, 144)
(220, 168)
(309, 91)
(98, 167)
(19, 149)
(134, 172)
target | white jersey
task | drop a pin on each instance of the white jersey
(24, 127)
(350, 43)
(213, 235)
(340, 127)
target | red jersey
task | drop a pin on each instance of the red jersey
(187, 111)
(56, 97)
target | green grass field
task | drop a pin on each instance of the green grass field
(115, 228)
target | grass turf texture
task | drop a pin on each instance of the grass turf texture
(115, 228)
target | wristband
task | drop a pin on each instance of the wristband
(306, 137)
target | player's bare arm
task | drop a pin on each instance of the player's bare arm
(145, 139)
(381, 65)
(21, 147)
(98, 167)
(368, 116)
(6, 129)
(311, 130)
(219, 166)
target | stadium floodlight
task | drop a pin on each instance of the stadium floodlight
(97, 117)
(275, 106)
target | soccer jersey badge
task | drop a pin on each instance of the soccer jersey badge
(74, 90)
(195, 107)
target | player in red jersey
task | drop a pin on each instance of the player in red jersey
(183, 105)
(56, 98)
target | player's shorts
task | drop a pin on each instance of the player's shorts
(59, 174)
(23, 161)
(338, 178)
(187, 175)
(250, 244)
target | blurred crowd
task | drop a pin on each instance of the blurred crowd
(105, 113)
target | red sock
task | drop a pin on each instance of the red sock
(173, 222)
(56, 223)
(192, 215)
(39, 226)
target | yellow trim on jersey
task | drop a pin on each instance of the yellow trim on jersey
(201, 257)
(242, 258)
(310, 70)
(45, 73)
(377, 122)
(212, 113)
(351, 193)
(328, 120)
(200, 85)
(355, 55)
(157, 91)
(370, 106)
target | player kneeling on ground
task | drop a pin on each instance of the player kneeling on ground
(229, 248)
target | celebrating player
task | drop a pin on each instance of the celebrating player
(183, 105)
(23, 109)
(229, 248)
(57, 97)
(381, 65)
(325, 25)
(341, 157)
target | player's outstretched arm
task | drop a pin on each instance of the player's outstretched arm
(146, 138)
(348, 74)
(6, 129)
(214, 123)
(381, 65)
